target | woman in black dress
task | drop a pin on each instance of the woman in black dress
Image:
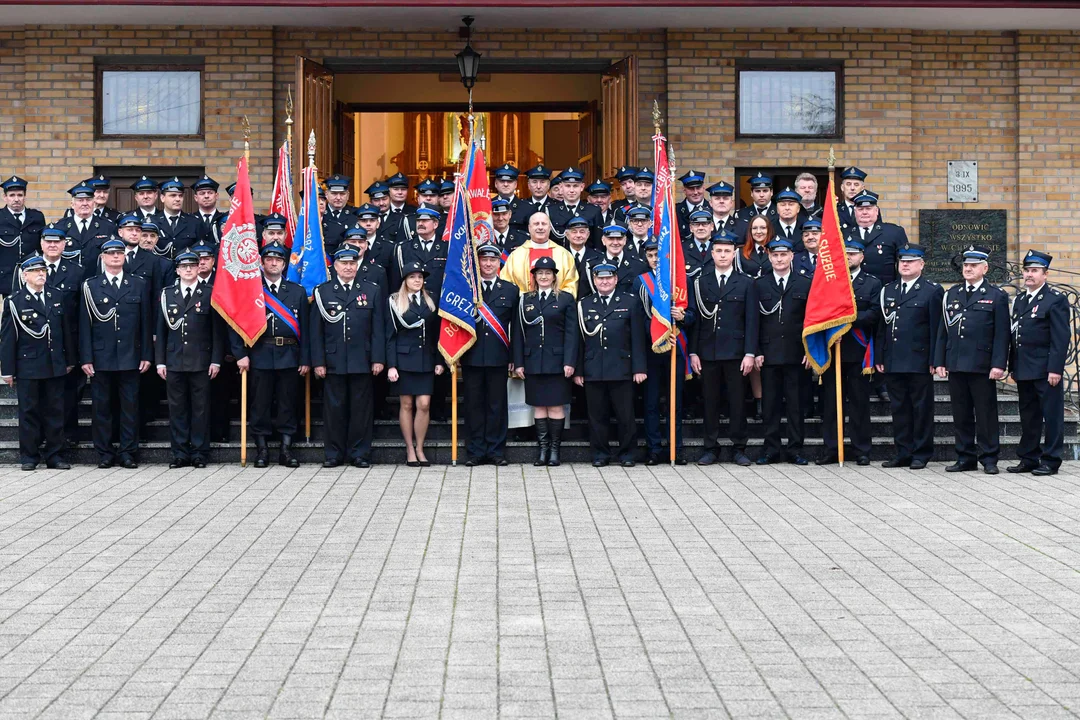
(545, 351)
(413, 359)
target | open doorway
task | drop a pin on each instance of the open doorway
(381, 118)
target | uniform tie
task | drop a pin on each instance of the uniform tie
(116, 283)
(83, 224)
(416, 299)
(543, 295)
(187, 294)
(862, 231)
(487, 286)
(131, 256)
(903, 289)
(273, 288)
(970, 289)
(52, 269)
(723, 282)
(780, 283)
(18, 218)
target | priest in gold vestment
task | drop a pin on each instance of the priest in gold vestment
(519, 265)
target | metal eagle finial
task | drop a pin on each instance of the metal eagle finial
(656, 117)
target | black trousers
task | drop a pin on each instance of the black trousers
(658, 385)
(151, 392)
(224, 388)
(974, 406)
(1041, 405)
(723, 386)
(41, 417)
(348, 417)
(781, 392)
(856, 407)
(74, 385)
(485, 410)
(188, 394)
(115, 394)
(911, 397)
(603, 397)
(274, 395)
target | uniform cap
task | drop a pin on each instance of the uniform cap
(545, 263)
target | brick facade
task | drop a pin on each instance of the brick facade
(913, 100)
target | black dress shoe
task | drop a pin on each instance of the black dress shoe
(990, 469)
(600, 463)
(105, 464)
(741, 459)
(200, 463)
(411, 463)
(707, 458)
(764, 460)
(883, 396)
(59, 465)
(799, 460)
(863, 460)
(1044, 470)
(128, 464)
(71, 443)
(424, 463)
(178, 463)
(1021, 468)
(896, 462)
(473, 462)
(918, 464)
(679, 459)
(262, 457)
(827, 460)
(361, 463)
(652, 460)
(331, 463)
(960, 467)
(627, 463)
(29, 466)
(500, 462)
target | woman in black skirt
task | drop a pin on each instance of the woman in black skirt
(545, 351)
(413, 359)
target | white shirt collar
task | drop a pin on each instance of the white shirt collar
(911, 282)
(617, 259)
(119, 277)
(974, 286)
(186, 286)
(1036, 291)
(726, 274)
(855, 273)
(778, 278)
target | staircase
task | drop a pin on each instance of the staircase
(389, 449)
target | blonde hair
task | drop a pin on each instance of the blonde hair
(401, 297)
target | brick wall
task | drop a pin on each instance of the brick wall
(1049, 142)
(13, 100)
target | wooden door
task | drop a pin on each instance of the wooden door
(315, 101)
(587, 144)
(618, 130)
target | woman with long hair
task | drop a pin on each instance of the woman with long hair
(753, 259)
(413, 359)
(545, 350)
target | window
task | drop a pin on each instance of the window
(149, 99)
(795, 101)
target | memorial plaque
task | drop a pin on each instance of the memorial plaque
(963, 181)
(945, 234)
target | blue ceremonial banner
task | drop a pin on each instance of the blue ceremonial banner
(671, 290)
(307, 265)
(457, 303)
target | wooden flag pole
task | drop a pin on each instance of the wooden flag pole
(839, 405)
(453, 414)
(673, 412)
(307, 378)
(244, 375)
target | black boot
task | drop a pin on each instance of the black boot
(543, 441)
(285, 457)
(757, 409)
(556, 428)
(262, 457)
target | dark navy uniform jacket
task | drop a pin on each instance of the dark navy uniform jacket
(116, 325)
(685, 326)
(727, 322)
(748, 213)
(695, 258)
(434, 262)
(172, 240)
(906, 339)
(629, 267)
(412, 338)
(348, 329)
(1040, 334)
(882, 242)
(190, 334)
(157, 271)
(756, 265)
(85, 247)
(780, 318)
(37, 340)
(589, 257)
(17, 240)
(613, 341)
(278, 348)
(974, 334)
(489, 350)
(867, 290)
(546, 334)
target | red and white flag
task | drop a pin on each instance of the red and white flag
(238, 293)
(282, 199)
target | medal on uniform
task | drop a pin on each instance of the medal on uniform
(1034, 310)
(105, 300)
(879, 250)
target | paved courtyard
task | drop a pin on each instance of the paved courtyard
(563, 592)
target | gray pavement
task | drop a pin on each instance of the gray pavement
(565, 592)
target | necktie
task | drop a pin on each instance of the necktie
(787, 232)
(207, 219)
(40, 297)
(502, 239)
(862, 230)
(52, 269)
(273, 288)
(348, 288)
(397, 211)
(903, 289)
(781, 285)
(116, 283)
(187, 294)
(83, 225)
(813, 260)
(427, 247)
(970, 289)
(577, 257)
(701, 248)
(131, 256)
(723, 282)
(18, 218)
(543, 296)
(172, 221)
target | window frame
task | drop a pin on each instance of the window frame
(791, 65)
(185, 63)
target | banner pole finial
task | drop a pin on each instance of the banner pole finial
(832, 159)
(656, 117)
(311, 148)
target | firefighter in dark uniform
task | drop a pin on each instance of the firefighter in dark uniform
(277, 360)
(577, 239)
(782, 296)
(398, 185)
(853, 355)
(852, 182)
(693, 183)
(380, 249)
(788, 223)
(658, 382)
(154, 269)
(378, 194)
(337, 195)
(348, 347)
(722, 207)
(538, 201)
(973, 352)
(1040, 330)
(599, 194)
(761, 192)
(20, 230)
(628, 266)
(723, 345)
(573, 206)
(545, 347)
(146, 197)
(102, 187)
(697, 248)
(905, 344)
(482, 366)
(179, 230)
(116, 343)
(880, 239)
(37, 349)
(338, 216)
(190, 347)
(84, 231)
(274, 229)
(612, 359)
(368, 272)
(207, 213)
(427, 249)
(506, 183)
(505, 236)
(625, 177)
(639, 231)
